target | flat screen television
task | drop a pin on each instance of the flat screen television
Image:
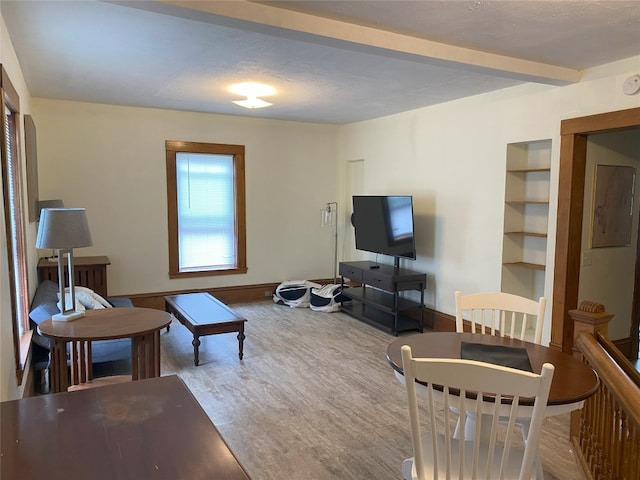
(384, 224)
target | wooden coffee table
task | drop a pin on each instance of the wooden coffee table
(203, 314)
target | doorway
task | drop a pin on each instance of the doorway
(571, 183)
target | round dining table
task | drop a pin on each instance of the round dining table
(573, 380)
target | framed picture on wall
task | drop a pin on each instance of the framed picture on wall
(613, 206)
(32, 168)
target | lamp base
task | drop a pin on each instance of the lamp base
(67, 317)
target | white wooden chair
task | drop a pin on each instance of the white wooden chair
(499, 313)
(494, 393)
(508, 315)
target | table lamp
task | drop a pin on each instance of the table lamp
(42, 204)
(64, 229)
(57, 203)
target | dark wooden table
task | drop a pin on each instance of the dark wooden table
(151, 429)
(203, 314)
(142, 325)
(573, 381)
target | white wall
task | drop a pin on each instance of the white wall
(111, 160)
(451, 158)
(607, 276)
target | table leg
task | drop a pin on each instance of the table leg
(80, 360)
(470, 427)
(241, 338)
(168, 310)
(196, 346)
(145, 356)
(58, 365)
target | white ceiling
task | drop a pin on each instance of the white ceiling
(330, 61)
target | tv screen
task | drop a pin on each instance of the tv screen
(384, 224)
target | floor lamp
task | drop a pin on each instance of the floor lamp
(64, 229)
(330, 217)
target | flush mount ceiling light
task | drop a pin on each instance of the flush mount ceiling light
(252, 91)
(252, 102)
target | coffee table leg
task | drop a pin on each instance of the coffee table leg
(196, 345)
(241, 338)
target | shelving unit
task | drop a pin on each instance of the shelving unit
(378, 300)
(526, 218)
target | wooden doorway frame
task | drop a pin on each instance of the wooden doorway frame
(573, 159)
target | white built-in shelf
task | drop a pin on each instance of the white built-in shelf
(528, 234)
(528, 170)
(526, 217)
(527, 265)
(527, 202)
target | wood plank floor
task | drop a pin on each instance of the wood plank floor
(314, 397)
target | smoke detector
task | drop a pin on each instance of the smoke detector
(631, 85)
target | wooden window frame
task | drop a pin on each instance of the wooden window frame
(15, 225)
(237, 151)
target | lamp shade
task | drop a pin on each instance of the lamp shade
(50, 204)
(63, 229)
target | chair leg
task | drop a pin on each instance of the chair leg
(538, 466)
(537, 463)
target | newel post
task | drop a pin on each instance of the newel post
(591, 318)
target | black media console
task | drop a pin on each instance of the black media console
(378, 301)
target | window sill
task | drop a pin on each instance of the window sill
(208, 273)
(25, 350)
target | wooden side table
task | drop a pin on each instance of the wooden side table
(90, 272)
(142, 325)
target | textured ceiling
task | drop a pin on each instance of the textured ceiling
(330, 61)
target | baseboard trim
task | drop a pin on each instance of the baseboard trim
(442, 322)
(229, 295)
(433, 320)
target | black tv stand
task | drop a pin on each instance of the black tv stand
(378, 300)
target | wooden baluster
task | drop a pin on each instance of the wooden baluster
(589, 317)
(607, 434)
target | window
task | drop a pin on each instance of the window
(14, 222)
(205, 191)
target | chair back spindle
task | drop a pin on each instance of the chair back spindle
(499, 313)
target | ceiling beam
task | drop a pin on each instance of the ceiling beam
(266, 15)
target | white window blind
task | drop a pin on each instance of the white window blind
(15, 225)
(206, 217)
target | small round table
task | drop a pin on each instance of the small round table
(142, 325)
(573, 380)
